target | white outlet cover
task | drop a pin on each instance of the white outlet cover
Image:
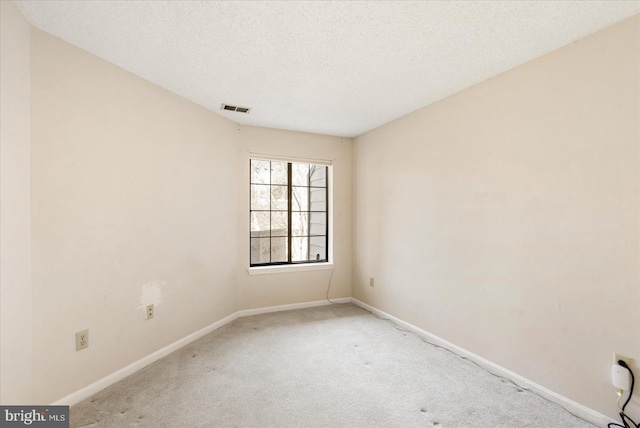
(617, 357)
(82, 340)
(148, 312)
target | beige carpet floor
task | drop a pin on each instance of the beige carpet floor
(332, 366)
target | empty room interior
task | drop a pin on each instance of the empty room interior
(321, 214)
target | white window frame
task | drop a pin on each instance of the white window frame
(298, 267)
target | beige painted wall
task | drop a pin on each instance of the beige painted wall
(257, 291)
(15, 228)
(510, 208)
(131, 196)
(505, 219)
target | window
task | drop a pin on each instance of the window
(288, 212)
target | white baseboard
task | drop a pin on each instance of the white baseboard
(292, 306)
(118, 375)
(577, 409)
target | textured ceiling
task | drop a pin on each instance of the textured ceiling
(338, 68)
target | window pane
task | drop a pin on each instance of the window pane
(278, 250)
(300, 174)
(300, 199)
(318, 224)
(260, 224)
(318, 175)
(260, 250)
(279, 173)
(318, 199)
(318, 248)
(260, 171)
(260, 197)
(279, 198)
(280, 207)
(279, 222)
(299, 249)
(300, 224)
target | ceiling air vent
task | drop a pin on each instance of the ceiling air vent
(235, 108)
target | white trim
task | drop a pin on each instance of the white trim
(575, 408)
(268, 156)
(578, 409)
(118, 375)
(280, 308)
(289, 268)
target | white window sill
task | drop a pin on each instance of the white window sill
(289, 268)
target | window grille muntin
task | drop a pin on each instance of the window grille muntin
(292, 198)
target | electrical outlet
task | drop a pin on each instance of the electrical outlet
(82, 340)
(617, 357)
(148, 314)
(371, 282)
